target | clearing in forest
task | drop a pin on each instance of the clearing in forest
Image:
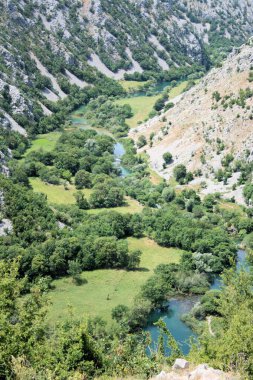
(108, 288)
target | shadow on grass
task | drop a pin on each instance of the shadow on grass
(80, 281)
(139, 270)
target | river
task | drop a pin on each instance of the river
(78, 119)
(177, 307)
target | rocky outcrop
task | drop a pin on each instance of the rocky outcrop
(201, 372)
(72, 41)
(207, 115)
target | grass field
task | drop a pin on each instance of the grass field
(132, 207)
(141, 108)
(131, 85)
(45, 142)
(177, 90)
(56, 194)
(143, 105)
(106, 289)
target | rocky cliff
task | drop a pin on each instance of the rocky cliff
(209, 122)
(46, 46)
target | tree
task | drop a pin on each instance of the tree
(167, 158)
(81, 201)
(168, 194)
(248, 192)
(180, 173)
(106, 196)
(82, 179)
(23, 328)
(233, 344)
(142, 141)
(75, 271)
(171, 342)
(119, 312)
(134, 259)
(110, 253)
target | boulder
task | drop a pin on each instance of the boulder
(181, 364)
(203, 372)
(162, 376)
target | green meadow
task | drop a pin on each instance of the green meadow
(132, 206)
(143, 105)
(57, 194)
(131, 85)
(106, 289)
(44, 142)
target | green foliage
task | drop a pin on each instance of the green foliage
(82, 179)
(81, 201)
(104, 113)
(167, 158)
(75, 271)
(142, 141)
(171, 342)
(248, 192)
(181, 175)
(106, 196)
(160, 103)
(22, 323)
(232, 344)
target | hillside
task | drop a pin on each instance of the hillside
(207, 123)
(50, 49)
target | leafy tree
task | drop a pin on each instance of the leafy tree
(232, 345)
(81, 201)
(167, 158)
(171, 342)
(22, 323)
(82, 179)
(106, 196)
(248, 192)
(180, 173)
(119, 312)
(168, 194)
(142, 141)
(75, 271)
(134, 259)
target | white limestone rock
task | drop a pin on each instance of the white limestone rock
(181, 364)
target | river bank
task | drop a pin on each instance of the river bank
(178, 307)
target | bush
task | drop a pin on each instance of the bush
(180, 173)
(142, 141)
(167, 158)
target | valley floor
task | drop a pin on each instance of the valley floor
(105, 289)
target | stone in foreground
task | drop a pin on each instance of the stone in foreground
(180, 364)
